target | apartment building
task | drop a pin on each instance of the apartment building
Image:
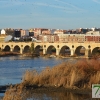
(37, 31)
(45, 31)
(49, 38)
(71, 38)
(58, 31)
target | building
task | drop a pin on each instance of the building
(17, 33)
(45, 31)
(71, 37)
(3, 32)
(92, 38)
(49, 38)
(52, 31)
(2, 38)
(58, 31)
(31, 32)
(93, 33)
(24, 32)
(37, 31)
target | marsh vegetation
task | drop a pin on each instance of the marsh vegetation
(78, 75)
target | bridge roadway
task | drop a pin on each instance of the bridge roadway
(74, 48)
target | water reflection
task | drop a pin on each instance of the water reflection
(30, 95)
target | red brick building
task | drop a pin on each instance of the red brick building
(91, 38)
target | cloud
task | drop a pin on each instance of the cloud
(71, 5)
(68, 9)
(65, 9)
(97, 1)
(52, 6)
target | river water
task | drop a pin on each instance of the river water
(13, 68)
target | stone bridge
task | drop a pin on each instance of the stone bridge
(86, 48)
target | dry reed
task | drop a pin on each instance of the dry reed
(80, 74)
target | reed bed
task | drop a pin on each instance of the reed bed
(81, 74)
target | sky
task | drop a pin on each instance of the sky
(52, 14)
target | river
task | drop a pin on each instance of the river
(13, 68)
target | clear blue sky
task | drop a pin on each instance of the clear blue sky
(59, 14)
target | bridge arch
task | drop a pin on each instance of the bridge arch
(6, 48)
(96, 50)
(65, 50)
(51, 50)
(80, 51)
(26, 49)
(39, 49)
(16, 49)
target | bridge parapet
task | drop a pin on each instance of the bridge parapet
(73, 47)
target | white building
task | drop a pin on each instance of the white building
(3, 31)
(58, 31)
(45, 39)
(93, 33)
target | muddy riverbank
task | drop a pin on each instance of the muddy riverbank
(18, 92)
(41, 89)
(4, 54)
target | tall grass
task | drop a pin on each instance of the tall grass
(81, 74)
